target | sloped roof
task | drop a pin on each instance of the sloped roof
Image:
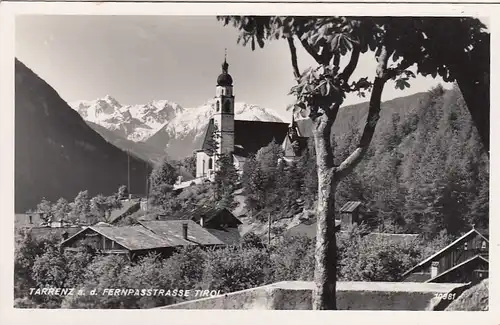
(39, 232)
(210, 212)
(205, 211)
(470, 260)
(230, 236)
(172, 232)
(307, 230)
(473, 231)
(400, 238)
(350, 206)
(305, 127)
(253, 135)
(128, 206)
(131, 237)
(23, 220)
(250, 136)
(288, 148)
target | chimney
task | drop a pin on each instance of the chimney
(185, 230)
(31, 219)
(434, 269)
(202, 221)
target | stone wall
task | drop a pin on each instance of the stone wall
(296, 295)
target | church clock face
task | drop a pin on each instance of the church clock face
(227, 106)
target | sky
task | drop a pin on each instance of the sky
(137, 59)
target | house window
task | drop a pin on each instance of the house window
(483, 245)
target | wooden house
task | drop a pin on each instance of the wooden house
(159, 237)
(349, 214)
(220, 222)
(464, 260)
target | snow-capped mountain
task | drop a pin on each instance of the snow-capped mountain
(133, 122)
(184, 133)
(196, 119)
(162, 124)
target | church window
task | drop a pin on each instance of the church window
(465, 246)
(210, 163)
(483, 245)
(217, 106)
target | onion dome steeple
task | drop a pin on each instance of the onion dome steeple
(225, 78)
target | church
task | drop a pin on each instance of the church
(242, 139)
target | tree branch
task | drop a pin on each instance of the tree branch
(293, 53)
(371, 122)
(351, 66)
(326, 55)
(311, 51)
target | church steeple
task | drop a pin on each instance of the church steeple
(293, 130)
(225, 78)
(225, 65)
(224, 110)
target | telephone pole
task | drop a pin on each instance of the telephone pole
(147, 188)
(269, 230)
(128, 174)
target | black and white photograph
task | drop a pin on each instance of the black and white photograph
(215, 162)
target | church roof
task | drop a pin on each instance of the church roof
(250, 136)
(253, 135)
(305, 127)
(224, 79)
(290, 150)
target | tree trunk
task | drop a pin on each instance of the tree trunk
(476, 93)
(325, 271)
(471, 71)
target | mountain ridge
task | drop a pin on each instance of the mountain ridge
(173, 128)
(58, 154)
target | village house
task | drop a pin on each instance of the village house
(159, 237)
(39, 227)
(241, 139)
(220, 222)
(464, 260)
(350, 214)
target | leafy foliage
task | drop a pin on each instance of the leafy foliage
(226, 181)
(235, 269)
(161, 182)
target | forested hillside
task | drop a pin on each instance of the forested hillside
(426, 170)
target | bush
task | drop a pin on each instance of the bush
(292, 259)
(232, 269)
(375, 258)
